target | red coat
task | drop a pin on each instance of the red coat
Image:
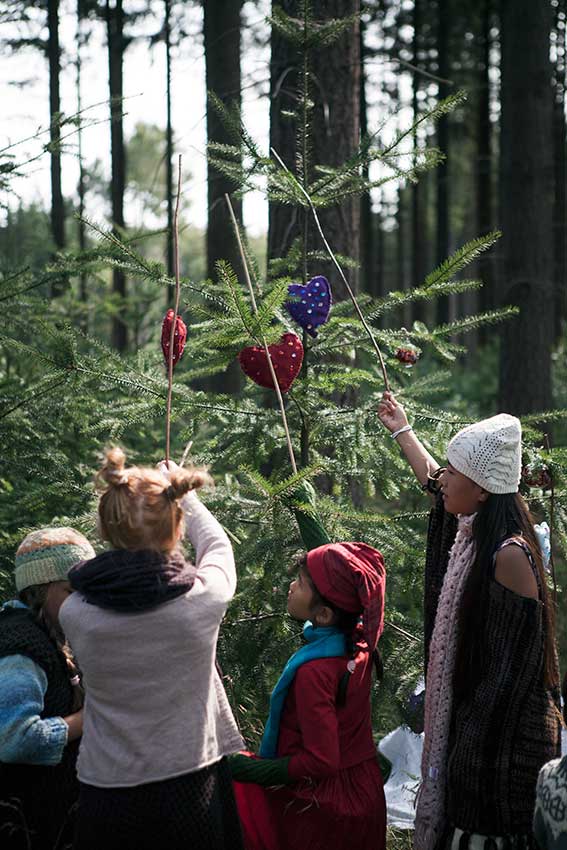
(337, 799)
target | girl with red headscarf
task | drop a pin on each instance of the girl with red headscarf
(317, 784)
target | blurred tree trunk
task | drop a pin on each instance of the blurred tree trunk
(526, 204)
(81, 188)
(335, 133)
(284, 225)
(484, 209)
(369, 282)
(222, 58)
(336, 129)
(169, 153)
(559, 205)
(57, 205)
(418, 206)
(442, 173)
(116, 46)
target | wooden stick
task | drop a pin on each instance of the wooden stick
(175, 312)
(265, 344)
(185, 453)
(342, 274)
(551, 521)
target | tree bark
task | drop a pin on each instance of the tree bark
(169, 154)
(57, 205)
(222, 58)
(560, 152)
(484, 199)
(335, 133)
(115, 27)
(417, 206)
(442, 174)
(369, 277)
(526, 206)
(81, 188)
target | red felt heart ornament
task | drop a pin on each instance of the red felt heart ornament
(179, 337)
(286, 355)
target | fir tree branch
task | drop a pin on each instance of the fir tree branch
(265, 344)
(342, 274)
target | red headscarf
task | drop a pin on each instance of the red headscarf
(352, 577)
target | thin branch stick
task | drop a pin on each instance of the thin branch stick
(175, 312)
(185, 453)
(265, 344)
(551, 522)
(339, 269)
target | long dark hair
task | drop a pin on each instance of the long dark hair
(347, 623)
(500, 517)
(35, 598)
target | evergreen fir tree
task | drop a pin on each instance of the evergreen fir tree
(66, 394)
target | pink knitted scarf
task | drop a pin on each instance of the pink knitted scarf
(430, 815)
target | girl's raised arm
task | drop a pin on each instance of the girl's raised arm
(393, 416)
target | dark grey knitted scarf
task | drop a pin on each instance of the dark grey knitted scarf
(132, 581)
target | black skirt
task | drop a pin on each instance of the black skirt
(196, 811)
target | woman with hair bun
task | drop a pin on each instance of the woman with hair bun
(144, 625)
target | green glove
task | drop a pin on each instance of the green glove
(303, 502)
(264, 772)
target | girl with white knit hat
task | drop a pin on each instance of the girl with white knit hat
(41, 717)
(492, 681)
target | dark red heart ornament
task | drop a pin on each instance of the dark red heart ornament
(286, 355)
(179, 337)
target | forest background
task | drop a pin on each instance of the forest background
(420, 129)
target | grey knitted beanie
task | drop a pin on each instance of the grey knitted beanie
(490, 453)
(48, 554)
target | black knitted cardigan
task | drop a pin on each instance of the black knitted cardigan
(46, 794)
(508, 726)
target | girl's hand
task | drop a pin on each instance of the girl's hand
(391, 413)
(162, 467)
(75, 724)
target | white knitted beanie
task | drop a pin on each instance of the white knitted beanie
(490, 453)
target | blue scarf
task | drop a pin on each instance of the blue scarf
(327, 642)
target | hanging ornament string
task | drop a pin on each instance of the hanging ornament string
(175, 313)
(264, 343)
(340, 271)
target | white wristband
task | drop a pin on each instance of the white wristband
(401, 431)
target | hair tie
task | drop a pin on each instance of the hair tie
(170, 493)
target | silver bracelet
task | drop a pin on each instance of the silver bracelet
(401, 431)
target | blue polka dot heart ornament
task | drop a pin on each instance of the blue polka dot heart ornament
(286, 356)
(313, 304)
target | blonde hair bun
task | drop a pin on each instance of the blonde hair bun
(184, 480)
(112, 471)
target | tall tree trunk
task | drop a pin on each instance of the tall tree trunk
(443, 237)
(368, 281)
(115, 27)
(335, 119)
(484, 200)
(527, 202)
(169, 153)
(57, 206)
(559, 205)
(284, 224)
(336, 123)
(222, 58)
(417, 206)
(81, 189)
